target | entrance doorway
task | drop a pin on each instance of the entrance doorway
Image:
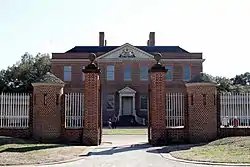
(127, 106)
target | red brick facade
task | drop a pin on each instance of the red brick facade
(47, 114)
(201, 115)
(173, 56)
(47, 111)
(202, 112)
(92, 129)
(157, 111)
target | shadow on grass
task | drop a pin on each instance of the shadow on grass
(23, 145)
(172, 148)
(9, 140)
(120, 149)
(30, 148)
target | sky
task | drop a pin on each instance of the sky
(220, 29)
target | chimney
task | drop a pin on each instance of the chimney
(152, 39)
(101, 38)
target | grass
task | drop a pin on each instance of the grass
(226, 150)
(15, 151)
(138, 131)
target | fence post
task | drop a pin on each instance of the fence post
(1, 118)
(92, 128)
(46, 112)
(157, 111)
(202, 111)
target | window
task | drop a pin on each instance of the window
(186, 73)
(127, 73)
(45, 99)
(144, 102)
(110, 73)
(67, 73)
(57, 99)
(169, 74)
(204, 99)
(110, 102)
(143, 73)
(83, 74)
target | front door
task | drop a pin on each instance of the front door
(127, 105)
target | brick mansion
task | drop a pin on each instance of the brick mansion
(124, 73)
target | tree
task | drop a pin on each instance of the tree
(242, 79)
(20, 75)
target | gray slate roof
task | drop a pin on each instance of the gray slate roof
(49, 78)
(201, 78)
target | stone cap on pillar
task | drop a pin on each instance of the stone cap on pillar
(48, 79)
(92, 67)
(157, 67)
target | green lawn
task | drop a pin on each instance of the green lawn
(139, 131)
(227, 150)
(17, 152)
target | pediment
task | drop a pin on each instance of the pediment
(127, 90)
(126, 51)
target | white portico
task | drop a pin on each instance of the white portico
(127, 102)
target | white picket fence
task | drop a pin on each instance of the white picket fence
(175, 108)
(74, 110)
(14, 110)
(235, 106)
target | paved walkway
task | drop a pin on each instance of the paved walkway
(126, 151)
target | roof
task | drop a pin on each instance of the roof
(201, 78)
(49, 78)
(95, 49)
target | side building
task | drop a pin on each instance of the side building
(124, 77)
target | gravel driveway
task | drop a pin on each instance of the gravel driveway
(126, 151)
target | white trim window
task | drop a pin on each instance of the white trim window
(110, 73)
(187, 73)
(83, 74)
(110, 102)
(143, 102)
(143, 73)
(169, 73)
(67, 73)
(127, 73)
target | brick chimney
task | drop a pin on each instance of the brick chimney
(101, 38)
(152, 39)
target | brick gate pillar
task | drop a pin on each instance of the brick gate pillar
(202, 109)
(157, 106)
(47, 92)
(92, 128)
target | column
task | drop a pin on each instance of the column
(120, 105)
(157, 104)
(134, 112)
(202, 109)
(46, 121)
(92, 128)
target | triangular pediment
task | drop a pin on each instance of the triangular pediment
(126, 51)
(127, 90)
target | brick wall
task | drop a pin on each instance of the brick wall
(177, 136)
(157, 109)
(20, 133)
(91, 130)
(202, 112)
(230, 132)
(201, 116)
(47, 112)
(112, 87)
